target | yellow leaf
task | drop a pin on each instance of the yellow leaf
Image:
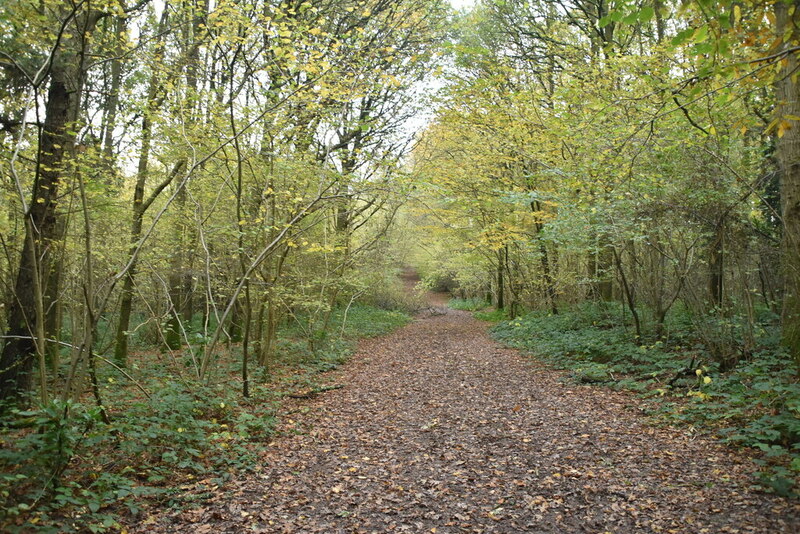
(707, 380)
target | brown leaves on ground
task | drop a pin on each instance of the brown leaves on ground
(438, 429)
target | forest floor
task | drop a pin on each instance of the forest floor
(439, 429)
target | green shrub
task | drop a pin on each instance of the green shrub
(471, 304)
(62, 469)
(492, 316)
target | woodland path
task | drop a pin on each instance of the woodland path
(439, 429)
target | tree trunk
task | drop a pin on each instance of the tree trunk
(605, 284)
(139, 208)
(629, 295)
(787, 151)
(661, 26)
(52, 289)
(180, 277)
(176, 278)
(549, 282)
(112, 100)
(172, 337)
(57, 137)
(715, 266)
(267, 341)
(501, 304)
(126, 300)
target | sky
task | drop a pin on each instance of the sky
(459, 4)
(418, 122)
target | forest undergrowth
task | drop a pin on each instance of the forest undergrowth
(65, 468)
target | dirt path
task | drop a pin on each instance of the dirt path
(438, 429)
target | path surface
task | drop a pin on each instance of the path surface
(440, 430)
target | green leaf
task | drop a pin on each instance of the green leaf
(703, 48)
(795, 465)
(632, 18)
(701, 34)
(646, 14)
(681, 37)
(723, 47)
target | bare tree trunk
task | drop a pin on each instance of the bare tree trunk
(549, 282)
(716, 266)
(501, 304)
(126, 300)
(629, 295)
(605, 284)
(661, 26)
(180, 278)
(657, 281)
(52, 289)
(139, 207)
(112, 100)
(57, 138)
(787, 151)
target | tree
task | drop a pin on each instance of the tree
(787, 151)
(64, 73)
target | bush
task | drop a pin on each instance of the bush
(65, 468)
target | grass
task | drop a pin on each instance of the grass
(491, 316)
(480, 307)
(470, 304)
(755, 404)
(62, 469)
(367, 321)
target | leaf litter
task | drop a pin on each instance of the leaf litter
(439, 429)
